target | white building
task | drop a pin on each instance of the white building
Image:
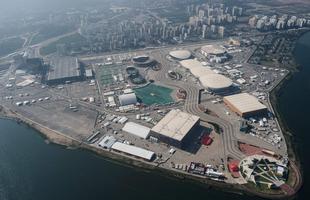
(175, 127)
(133, 151)
(245, 105)
(137, 130)
(209, 79)
(127, 99)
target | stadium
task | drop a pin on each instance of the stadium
(213, 50)
(180, 54)
(216, 83)
(143, 61)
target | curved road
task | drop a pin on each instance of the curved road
(192, 106)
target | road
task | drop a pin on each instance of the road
(38, 46)
(192, 106)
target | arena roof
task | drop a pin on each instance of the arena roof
(133, 150)
(213, 49)
(191, 63)
(180, 54)
(143, 60)
(127, 99)
(63, 67)
(201, 71)
(244, 103)
(136, 129)
(215, 81)
(176, 124)
(207, 77)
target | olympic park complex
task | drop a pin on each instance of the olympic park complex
(209, 79)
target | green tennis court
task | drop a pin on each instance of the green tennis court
(106, 74)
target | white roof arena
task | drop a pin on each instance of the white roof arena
(180, 54)
(213, 50)
(176, 124)
(244, 103)
(208, 78)
(136, 129)
(127, 99)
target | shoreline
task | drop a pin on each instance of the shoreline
(58, 138)
(288, 135)
(55, 137)
(292, 149)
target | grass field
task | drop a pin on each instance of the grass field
(154, 94)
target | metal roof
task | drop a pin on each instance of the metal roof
(63, 67)
(245, 102)
(136, 129)
(176, 124)
(207, 77)
(181, 54)
(215, 81)
(133, 150)
(213, 49)
(107, 141)
(127, 99)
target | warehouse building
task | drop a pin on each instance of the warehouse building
(63, 69)
(127, 99)
(137, 130)
(133, 151)
(245, 105)
(175, 127)
(107, 142)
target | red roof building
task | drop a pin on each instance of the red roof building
(206, 140)
(233, 167)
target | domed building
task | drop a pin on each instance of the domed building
(214, 82)
(213, 50)
(180, 54)
(127, 99)
(143, 61)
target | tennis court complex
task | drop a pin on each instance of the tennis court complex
(109, 74)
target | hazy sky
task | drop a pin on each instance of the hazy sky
(16, 6)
